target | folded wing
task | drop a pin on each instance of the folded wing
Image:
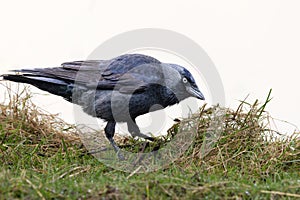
(127, 73)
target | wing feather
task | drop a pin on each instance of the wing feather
(127, 73)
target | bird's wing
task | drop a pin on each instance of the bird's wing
(129, 73)
(124, 63)
(132, 73)
(86, 73)
(126, 73)
(139, 81)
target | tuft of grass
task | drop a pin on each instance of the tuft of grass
(245, 143)
(234, 155)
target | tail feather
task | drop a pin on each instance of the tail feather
(54, 86)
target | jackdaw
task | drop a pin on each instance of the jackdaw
(116, 90)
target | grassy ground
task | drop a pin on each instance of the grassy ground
(42, 158)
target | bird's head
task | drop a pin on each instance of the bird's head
(184, 83)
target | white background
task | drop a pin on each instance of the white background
(255, 45)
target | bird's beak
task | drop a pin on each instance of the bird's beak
(195, 92)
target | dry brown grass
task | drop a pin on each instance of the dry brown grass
(33, 123)
(225, 138)
(243, 141)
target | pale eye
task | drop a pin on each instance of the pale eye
(184, 80)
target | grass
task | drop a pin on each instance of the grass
(42, 157)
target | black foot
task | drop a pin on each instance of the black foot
(135, 131)
(141, 135)
(120, 156)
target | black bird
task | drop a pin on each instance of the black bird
(116, 90)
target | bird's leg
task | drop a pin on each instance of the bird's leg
(135, 131)
(109, 132)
